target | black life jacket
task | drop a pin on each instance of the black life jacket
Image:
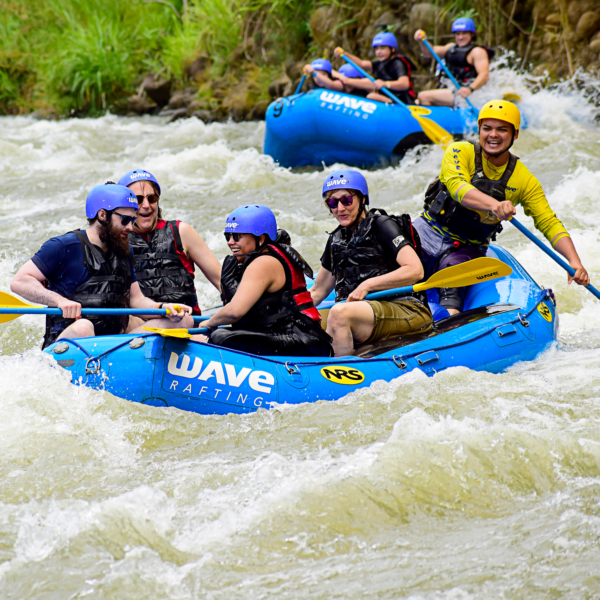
(463, 221)
(358, 255)
(161, 274)
(456, 61)
(381, 71)
(108, 287)
(280, 311)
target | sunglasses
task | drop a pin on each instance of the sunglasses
(345, 200)
(236, 236)
(152, 198)
(126, 219)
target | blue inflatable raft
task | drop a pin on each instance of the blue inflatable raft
(328, 127)
(505, 321)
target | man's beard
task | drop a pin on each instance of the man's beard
(114, 240)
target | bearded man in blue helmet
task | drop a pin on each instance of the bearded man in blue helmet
(92, 269)
(467, 61)
(264, 291)
(369, 251)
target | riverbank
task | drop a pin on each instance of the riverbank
(219, 61)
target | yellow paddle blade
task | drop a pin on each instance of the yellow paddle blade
(9, 301)
(435, 132)
(175, 333)
(511, 97)
(468, 273)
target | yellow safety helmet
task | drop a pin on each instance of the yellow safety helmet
(502, 110)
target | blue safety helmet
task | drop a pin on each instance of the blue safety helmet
(321, 64)
(347, 179)
(385, 39)
(252, 218)
(109, 197)
(463, 24)
(350, 71)
(138, 175)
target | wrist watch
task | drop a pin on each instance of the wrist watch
(472, 90)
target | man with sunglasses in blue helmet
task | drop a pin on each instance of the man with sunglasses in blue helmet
(390, 70)
(263, 289)
(165, 252)
(321, 72)
(467, 61)
(369, 251)
(91, 269)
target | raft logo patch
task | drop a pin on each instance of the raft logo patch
(218, 381)
(545, 312)
(419, 110)
(343, 375)
(346, 105)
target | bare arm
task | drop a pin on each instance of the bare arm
(398, 85)
(409, 273)
(28, 283)
(265, 274)
(138, 300)
(195, 247)
(324, 81)
(481, 62)
(566, 247)
(365, 64)
(324, 284)
(420, 35)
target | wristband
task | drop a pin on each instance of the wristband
(472, 90)
(160, 304)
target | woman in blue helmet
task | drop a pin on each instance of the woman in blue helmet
(165, 252)
(92, 269)
(467, 61)
(264, 291)
(321, 72)
(391, 70)
(369, 251)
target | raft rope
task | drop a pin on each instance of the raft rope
(522, 318)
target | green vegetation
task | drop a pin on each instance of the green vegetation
(87, 55)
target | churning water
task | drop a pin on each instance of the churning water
(466, 485)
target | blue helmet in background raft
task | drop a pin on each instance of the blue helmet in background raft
(321, 64)
(349, 71)
(385, 39)
(347, 179)
(109, 197)
(256, 219)
(463, 24)
(138, 175)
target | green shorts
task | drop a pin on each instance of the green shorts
(400, 317)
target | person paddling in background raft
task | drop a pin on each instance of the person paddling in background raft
(369, 251)
(321, 72)
(264, 291)
(468, 62)
(390, 70)
(478, 187)
(92, 269)
(165, 252)
(348, 75)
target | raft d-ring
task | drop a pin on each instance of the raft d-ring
(399, 362)
(523, 320)
(93, 370)
(292, 369)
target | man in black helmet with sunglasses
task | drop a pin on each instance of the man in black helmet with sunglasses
(92, 269)
(165, 252)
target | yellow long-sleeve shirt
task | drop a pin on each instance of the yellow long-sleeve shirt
(458, 168)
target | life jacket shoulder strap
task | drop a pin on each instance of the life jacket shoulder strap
(508, 172)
